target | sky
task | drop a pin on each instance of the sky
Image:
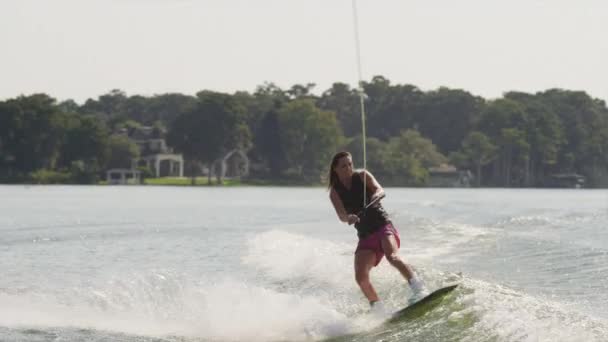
(80, 49)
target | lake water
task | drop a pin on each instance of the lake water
(129, 263)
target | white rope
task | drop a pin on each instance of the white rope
(361, 96)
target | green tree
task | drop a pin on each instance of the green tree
(33, 132)
(476, 151)
(11, 126)
(446, 116)
(514, 155)
(210, 130)
(299, 91)
(375, 150)
(107, 105)
(585, 127)
(309, 136)
(408, 157)
(390, 109)
(85, 149)
(544, 132)
(261, 117)
(345, 102)
(504, 122)
(262, 107)
(166, 107)
(122, 152)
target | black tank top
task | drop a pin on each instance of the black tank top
(373, 218)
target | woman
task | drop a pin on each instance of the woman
(377, 235)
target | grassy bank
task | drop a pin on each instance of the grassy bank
(188, 181)
(176, 181)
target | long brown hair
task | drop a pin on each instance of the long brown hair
(333, 176)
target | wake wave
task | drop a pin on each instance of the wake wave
(161, 305)
(302, 290)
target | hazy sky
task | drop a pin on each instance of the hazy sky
(80, 49)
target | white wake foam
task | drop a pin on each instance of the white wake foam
(284, 255)
(228, 310)
(510, 315)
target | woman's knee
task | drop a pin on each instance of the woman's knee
(394, 258)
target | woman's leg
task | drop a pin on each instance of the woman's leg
(364, 261)
(391, 251)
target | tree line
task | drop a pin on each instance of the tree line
(518, 140)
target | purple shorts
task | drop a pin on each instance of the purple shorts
(373, 241)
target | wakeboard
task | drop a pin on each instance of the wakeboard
(411, 311)
(423, 305)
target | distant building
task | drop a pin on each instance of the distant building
(123, 176)
(155, 154)
(566, 180)
(234, 164)
(449, 176)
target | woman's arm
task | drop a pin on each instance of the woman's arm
(373, 187)
(339, 206)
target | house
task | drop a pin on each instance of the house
(446, 175)
(234, 164)
(123, 176)
(155, 154)
(566, 180)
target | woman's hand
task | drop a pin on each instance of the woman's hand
(352, 219)
(379, 194)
